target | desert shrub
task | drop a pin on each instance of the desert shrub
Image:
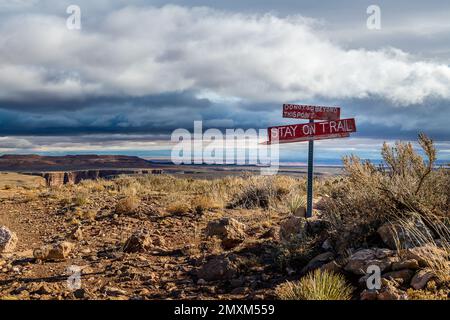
(178, 208)
(369, 195)
(258, 195)
(127, 205)
(200, 204)
(317, 285)
(295, 254)
(80, 199)
(129, 186)
(252, 197)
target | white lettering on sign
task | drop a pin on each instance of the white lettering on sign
(298, 111)
(315, 130)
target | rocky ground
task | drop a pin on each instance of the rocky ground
(96, 242)
(162, 264)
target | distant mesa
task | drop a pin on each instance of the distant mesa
(33, 162)
(71, 169)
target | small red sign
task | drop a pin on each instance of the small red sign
(312, 131)
(298, 111)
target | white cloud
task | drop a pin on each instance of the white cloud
(11, 143)
(16, 4)
(140, 51)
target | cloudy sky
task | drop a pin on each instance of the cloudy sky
(137, 70)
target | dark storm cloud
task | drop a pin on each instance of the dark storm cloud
(153, 114)
(49, 104)
(159, 115)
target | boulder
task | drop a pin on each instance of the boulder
(229, 230)
(412, 264)
(218, 268)
(318, 262)
(395, 234)
(58, 251)
(360, 260)
(300, 212)
(421, 278)
(139, 241)
(293, 228)
(8, 240)
(327, 245)
(332, 266)
(401, 276)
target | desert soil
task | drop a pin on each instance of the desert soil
(167, 271)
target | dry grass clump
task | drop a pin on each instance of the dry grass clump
(435, 253)
(80, 199)
(127, 205)
(317, 285)
(128, 186)
(178, 208)
(220, 191)
(431, 292)
(85, 214)
(201, 204)
(30, 196)
(93, 186)
(429, 232)
(370, 195)
(67, 195)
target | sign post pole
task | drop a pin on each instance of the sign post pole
(309, 195)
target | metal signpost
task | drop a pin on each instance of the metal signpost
(332, 127)
(309, 187)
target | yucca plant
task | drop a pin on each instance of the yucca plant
(317, 285)
(296, 202)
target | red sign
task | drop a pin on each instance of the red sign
(312, 131)
(297, 111)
